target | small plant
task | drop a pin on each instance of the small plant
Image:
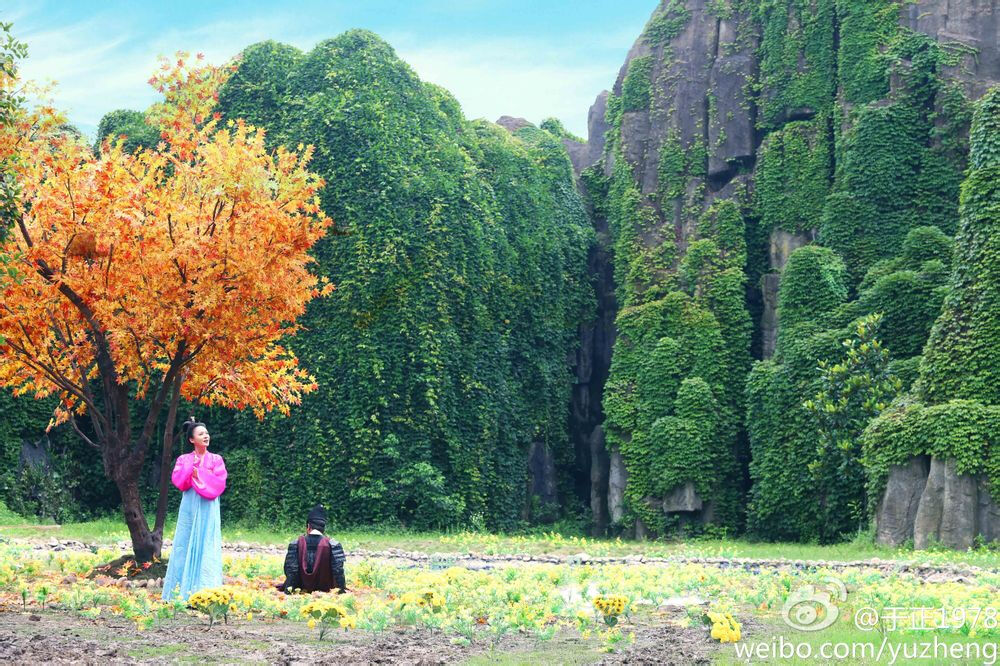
(426, 598)
(610, 607)
(614, 638)
(42, 593)
(216, 602)
(725, 628)
(326, 614)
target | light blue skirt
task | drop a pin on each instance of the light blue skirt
(196, 557)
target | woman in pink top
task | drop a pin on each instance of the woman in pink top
(196, 556)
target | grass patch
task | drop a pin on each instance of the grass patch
(154, 651)
(8, 517)
(112, 531)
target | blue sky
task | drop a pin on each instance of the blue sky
(520, 58)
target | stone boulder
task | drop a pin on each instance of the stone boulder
(933, 503)
(512, 124)
(683, 498)
(897, 509)
(974, 24)
(617, 477)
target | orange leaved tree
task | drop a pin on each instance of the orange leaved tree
(138, 280)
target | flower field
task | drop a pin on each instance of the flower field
(602, 607)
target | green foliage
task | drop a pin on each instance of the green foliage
(797, 58)
(953, 411)
(555, 127)
(894, 170)
(666, 23)
(130, 124)
(792, 176)
(781, 431)
(851, 392)
(962, 359)
(865, 26)
(966, 431)
(596, 186)
(258, 91)
(245, 487)
(673, 394)
(68, 484)
(460, 272)
(11, 51)
(813, 283)
(637, 85)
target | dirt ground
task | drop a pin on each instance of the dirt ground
(60, 637)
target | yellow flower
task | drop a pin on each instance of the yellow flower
(249, 617)
(348, 622)
(312, 624)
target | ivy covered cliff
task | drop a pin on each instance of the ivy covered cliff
(780, 181)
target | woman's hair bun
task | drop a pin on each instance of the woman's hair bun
(190, 425)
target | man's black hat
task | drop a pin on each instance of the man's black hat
(317, 517)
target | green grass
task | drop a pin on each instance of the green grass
(8, 517)
(112, 530)
(153, 651)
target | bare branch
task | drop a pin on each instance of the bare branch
(76, 427)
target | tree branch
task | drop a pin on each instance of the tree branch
(76, 427)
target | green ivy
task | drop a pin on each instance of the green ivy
(636, 86)
(953, 411)
(962, 359)
(666, 23)
(852, 390)
(797, 58)
(459, 260)
(865, 27)
(792, 175)
(555, 127)
(130, 124)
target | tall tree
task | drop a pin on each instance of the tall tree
(143, 278)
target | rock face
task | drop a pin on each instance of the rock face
(35, 454)
(512, 124)
(700, 99)
(542, 479)
(897, 511)
(683, 499)
(701, 59)
(585, 155)
(971, 23)
(617, 479)
(593, 356)
(599, 473)
(927, 501)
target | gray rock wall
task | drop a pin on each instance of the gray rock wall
(927, 501)
(699, 96)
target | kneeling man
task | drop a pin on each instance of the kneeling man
(314, 563)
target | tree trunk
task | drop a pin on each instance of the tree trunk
(166, 459)
(145, 543)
